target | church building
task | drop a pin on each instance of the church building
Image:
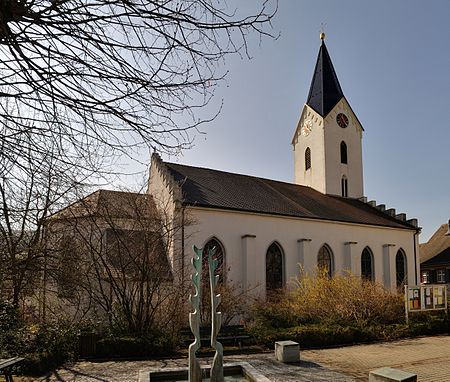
(265, 229)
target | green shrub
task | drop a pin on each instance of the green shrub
(324, 335)
(132, 347)
(47, 346)
(9, 317)
(44, 346)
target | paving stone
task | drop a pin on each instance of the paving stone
(428, 357)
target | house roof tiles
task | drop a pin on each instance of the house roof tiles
(438, 244)
(440, 259)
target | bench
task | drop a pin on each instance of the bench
(6, 366)
(233, 335)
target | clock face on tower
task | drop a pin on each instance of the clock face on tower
(342, 120)
(307, 127)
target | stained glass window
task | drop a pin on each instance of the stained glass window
(274, 267)
(325, 260)
(367, 265)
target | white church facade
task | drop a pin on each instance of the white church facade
(265, 229)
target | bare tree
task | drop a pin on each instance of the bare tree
(110, 261)
(114, 73)
(31, 188)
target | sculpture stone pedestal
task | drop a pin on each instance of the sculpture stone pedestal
(387, 374)
(287, 351)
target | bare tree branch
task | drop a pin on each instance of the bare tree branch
(119, 73)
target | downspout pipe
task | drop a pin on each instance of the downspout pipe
(415, 239)
(182, 243)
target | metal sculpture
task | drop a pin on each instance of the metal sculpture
(216, 320)
(195, 372)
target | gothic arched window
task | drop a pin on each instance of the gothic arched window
(274, 267)
(344, 186)
(343, 153)
(367, 264)
(219, 255)
(307, 158)
(325, 260)
(400, 268)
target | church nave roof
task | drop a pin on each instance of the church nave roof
(210, 188)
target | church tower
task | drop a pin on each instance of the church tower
(327, 141)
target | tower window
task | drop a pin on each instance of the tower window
(307, 158)
(344, 187)
(343, 153)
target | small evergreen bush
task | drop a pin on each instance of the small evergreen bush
(155, 344)
(44, 346)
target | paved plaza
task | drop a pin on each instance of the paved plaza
(428, 357)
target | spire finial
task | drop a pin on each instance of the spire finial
(322, 31)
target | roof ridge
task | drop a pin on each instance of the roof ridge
(100, 190)
(239, 174)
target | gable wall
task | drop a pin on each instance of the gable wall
(245, 256)
(167, 197)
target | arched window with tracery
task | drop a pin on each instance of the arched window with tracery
(367, 265)
(307, 158)
(325, 260)
(205, 293)
(219, 255)
(343, 152)
(400, 268)
(274, 267)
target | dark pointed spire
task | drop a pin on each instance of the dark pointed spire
(325, 91)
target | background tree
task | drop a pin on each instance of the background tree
(32, 186)
(109, 256)
(111, 73)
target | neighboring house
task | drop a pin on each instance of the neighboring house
(264, 229)
(435, 257)
(98, 247)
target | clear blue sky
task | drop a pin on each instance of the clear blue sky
(392, 59)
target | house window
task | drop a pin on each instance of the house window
(344, 187)
(307, 158)
(367, 264)
(440, 276)
(274, 267)
(325, 260)
(426, 279)
(343, 152)
(218, 255)
(400, 268)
